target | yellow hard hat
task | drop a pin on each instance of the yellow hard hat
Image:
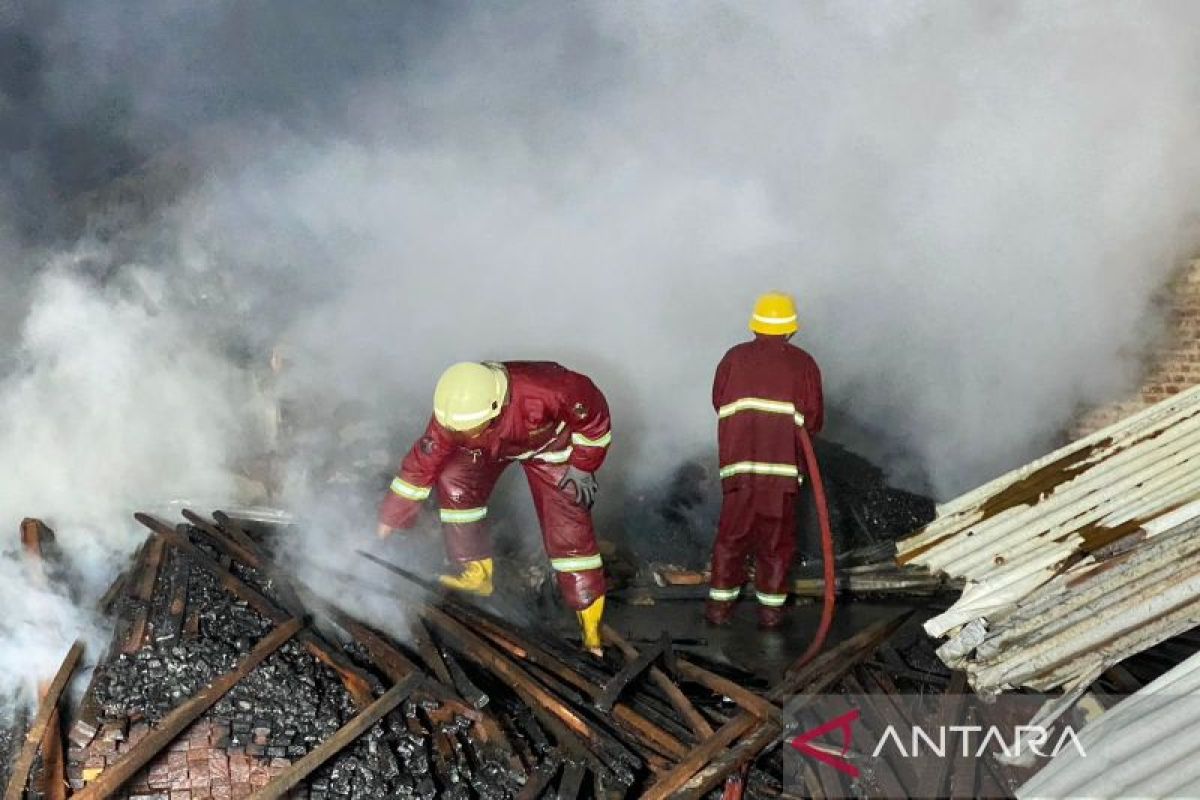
(469, 394)
(774, 314)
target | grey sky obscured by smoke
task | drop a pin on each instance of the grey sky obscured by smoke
(974, 204)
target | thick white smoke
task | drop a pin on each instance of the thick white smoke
(973, 205)
(113, 404)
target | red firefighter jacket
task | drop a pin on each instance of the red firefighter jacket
(763, 392)
(552, 415)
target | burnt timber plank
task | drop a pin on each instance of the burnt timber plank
(571, 783)
(610, 755)
(353, 729)
(748, 700)
(223, 541)
(632, 669)
(933, 780)
(694, 719)
(702, 772)
(46, 711)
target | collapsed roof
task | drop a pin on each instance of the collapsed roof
(1076, 561)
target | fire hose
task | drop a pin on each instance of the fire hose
(829, 599)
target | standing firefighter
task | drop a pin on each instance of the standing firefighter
(765, 390)
(485, 416)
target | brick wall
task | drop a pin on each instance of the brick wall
(1175, 362)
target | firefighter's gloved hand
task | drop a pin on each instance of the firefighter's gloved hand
(585, 486)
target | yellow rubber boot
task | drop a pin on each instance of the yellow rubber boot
(589, 623)
(475, 578)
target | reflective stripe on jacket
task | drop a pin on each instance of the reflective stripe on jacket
(763, 392)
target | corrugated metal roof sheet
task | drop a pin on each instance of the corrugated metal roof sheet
(1076, 560)
(1147, 746)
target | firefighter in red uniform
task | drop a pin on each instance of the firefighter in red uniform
(764, 391)
(485, 416)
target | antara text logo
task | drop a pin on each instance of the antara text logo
(1035, 738)
(935, 741)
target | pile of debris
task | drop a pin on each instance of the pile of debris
(1076, 561)
(225, 679)
(676, 525)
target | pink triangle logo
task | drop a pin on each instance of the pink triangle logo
(842, 723)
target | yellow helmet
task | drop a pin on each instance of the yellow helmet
(774, 314)
(469, 394)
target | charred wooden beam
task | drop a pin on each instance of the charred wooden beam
(466, 687)
(442, 753)
(143, 594)
(53, 784)
(876, 718)
(875, 579)
(35, 537)
(19, 774)
(238, 533)
(540, 779)
(624, 714)
(243, 547)
(748, 700)
(613, 756)
(933, 779)
(344, 736)
(919, 676)
(397, 666)
(109, 598)
(394, 664)
(695, 777)
(148, 576)
(429, 653)
(679, 700)
(571, 782)
(174, 723)
(169, 626)
(517, 645)
(632, 670)
(225, 542)
(709, 749)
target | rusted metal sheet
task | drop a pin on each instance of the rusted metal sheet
(1075, 561)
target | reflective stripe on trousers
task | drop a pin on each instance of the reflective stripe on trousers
(462, 516)
(577, 563)
(773, 600)
(723, 595)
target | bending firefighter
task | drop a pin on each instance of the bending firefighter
(485, 416)
(764, 392)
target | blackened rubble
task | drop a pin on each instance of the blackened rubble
(11, 730)
(676, 525)
(272, 718)
(152, 681)
(488, 709)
